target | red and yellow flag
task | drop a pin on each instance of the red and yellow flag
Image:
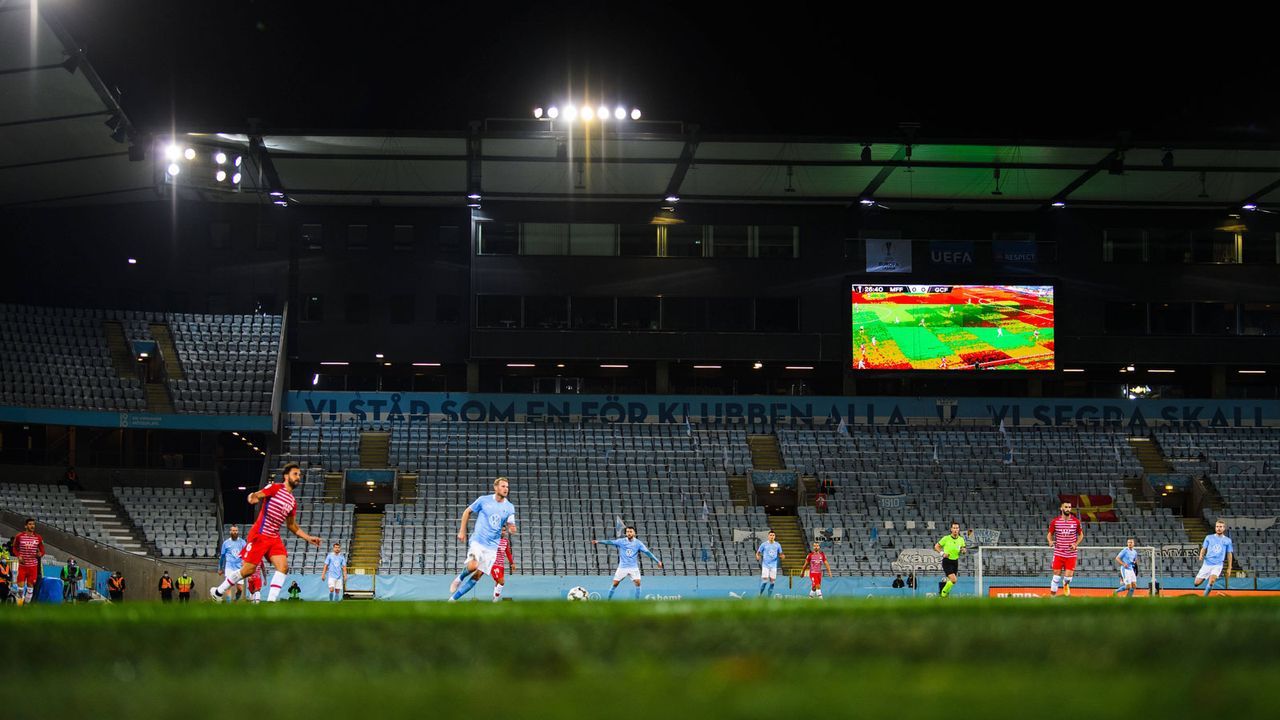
(1093, 508)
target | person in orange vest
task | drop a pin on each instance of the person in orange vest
(116, 586)
(185, 581)
(166, 587)
(6, 576)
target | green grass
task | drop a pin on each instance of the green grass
(963, 658)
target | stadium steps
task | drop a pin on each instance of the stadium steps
(115, 521)
(366, 543)
(158, 400)
(375, 449)
(408, 487)
(765, 452)
(791, 536)
(333, 483)
(121, 358)
(168, 351)
(739, 490)
(1150, 455)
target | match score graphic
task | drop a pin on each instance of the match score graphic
(952, 327)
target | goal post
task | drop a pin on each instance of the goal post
(1097, 562)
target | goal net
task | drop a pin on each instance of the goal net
(1010, 570)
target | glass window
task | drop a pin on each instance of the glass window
(682, 313)
(729, 314)
(313, 308)
(1169, 246)
(268, 237)
(501, 311)
(313, 237)
(546, 312)
(684, 240)
(357, 308)
(357, 237)
(1261, 248)
(638, 240)
(449, 309)
(402, 238)
(778, 314)
(499, 238)
(1215, 318)
(778, 241)
(1171, 318)
(593, 313)
(730, 240)
(1122, 246)
(220, 235)
(1215, 246)
(593, 239)
(1127, 318)
(402, 309)
(1260, 319)
(544, 238)
(638, 313)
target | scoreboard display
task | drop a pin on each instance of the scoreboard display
(952, 327)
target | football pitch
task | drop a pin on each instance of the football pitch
(708, 659)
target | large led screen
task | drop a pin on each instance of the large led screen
(952, 327)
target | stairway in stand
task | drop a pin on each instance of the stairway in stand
(121, 356)
(123, 533)
(375, 449)
(765, 452)
(366, 543)
(408, 485)
(168, 351)
(792, 539)
(739, 490)
(333, 482)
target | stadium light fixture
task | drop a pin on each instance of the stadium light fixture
(423, 364)
(378, 355)
(282, 203)
(334, 362)
(1058, 204)
(602, 112)
(315, 380)
(672, 198)
(186, 482)
(553, 112)
(866, 202)
(172, 153)
(560, 365)
(220, 158)
(615, 366)
(537, 113)
(1073, 370)
(798, 367)
(133, 261)
(235, 179)
(757, 365)
(635, 113)
(221, 176)
(173, 169)
(521, 365)
(588, 114)
(276, 193)
(189, 153)
(1249, 206)
(241, 487)
(1162, 370)
(473, 196)
(620, 113)
(238, 159)
(570, 113)
(706, 367)
(1129, 367)
(1252, 372)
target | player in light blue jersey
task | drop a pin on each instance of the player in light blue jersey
(629, 551)
(335, 572)
(229, 560)
(1215, 549)
(768, 555)
(1127, 559)
(493, 513)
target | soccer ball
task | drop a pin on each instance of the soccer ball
(578, 593)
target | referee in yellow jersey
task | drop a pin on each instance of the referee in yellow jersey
(950, 546)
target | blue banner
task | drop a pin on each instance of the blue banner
(99, 418)
(1014, 252)
(383, 408)
(951, 252)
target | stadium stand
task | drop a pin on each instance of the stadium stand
(1243, 465)
(180, 522)
(229, 363)
(54, 505)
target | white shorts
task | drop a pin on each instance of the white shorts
(484, 557)
(1206, 570)
(633, 573)
(228, 573)
(769, 574)
(335, 583)
(1128, 576)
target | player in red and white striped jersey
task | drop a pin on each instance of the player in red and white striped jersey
(1064, 536)
(499, 566)
(816, 559)
(29, 547)
(279, 508)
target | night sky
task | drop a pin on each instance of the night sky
(434, 67)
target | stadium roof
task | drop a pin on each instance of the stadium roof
(58, 118)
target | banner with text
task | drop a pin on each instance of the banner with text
(889, 256)
(950, 252)
(1014, 252)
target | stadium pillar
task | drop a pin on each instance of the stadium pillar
(473, 376)
(662, 377)
(1217, 382)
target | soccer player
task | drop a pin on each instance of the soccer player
(629, 551)
(816, 559)
(335, 572)
(1127, 559)
(29, 547)
(1213, 551)
(1064, 536)
(229, 556)
(279, 508)
(253, 587)
(499, 571)
(951, 547)
(493, 513)
(768, 555)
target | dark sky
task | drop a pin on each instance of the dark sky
(787, 69)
